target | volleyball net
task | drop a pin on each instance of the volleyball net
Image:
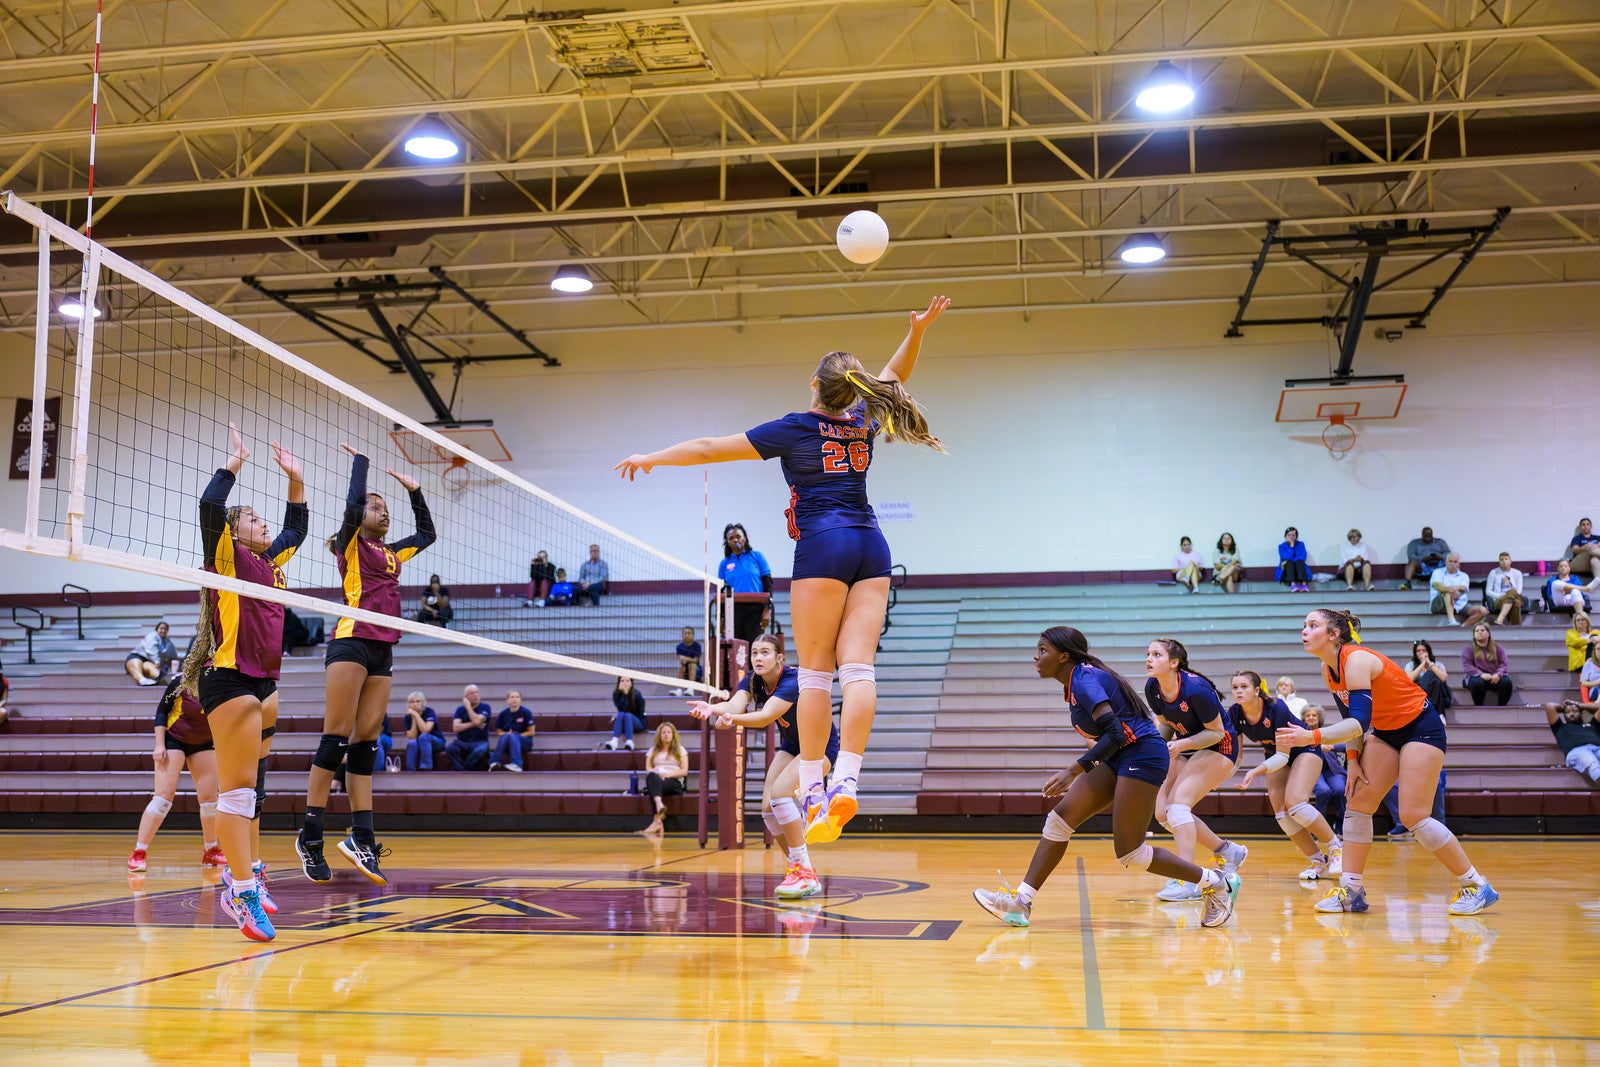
(148, 380)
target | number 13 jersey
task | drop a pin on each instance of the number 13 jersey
(825, 461)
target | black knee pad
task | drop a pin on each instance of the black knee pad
(330, 752)
(268, 731)
(261, 786)
(363, 757)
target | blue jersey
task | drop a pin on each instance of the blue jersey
(788, 689)
(1275, 715)
(825, 461)
(1087, 688)
(1195, 705)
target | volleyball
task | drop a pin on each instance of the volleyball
(862, 236)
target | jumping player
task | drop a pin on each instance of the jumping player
(233, 664)
(1391, 734)
(182, 737)
(840, 587)
(1123, 770)
(773, 687)
(360, 661)
(1291, 774)
(1205, 753)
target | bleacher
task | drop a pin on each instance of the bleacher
(964, 728)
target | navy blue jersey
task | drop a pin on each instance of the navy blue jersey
(788, 688)
(1087, 688)
(825, 461)
(1195, 705)
(1275, 715)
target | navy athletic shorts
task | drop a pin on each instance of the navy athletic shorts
(849, 554)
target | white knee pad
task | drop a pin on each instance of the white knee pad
(240, 802)
(208, 809)
(771, 822)
(1164, 825)
(785, 810)
(856, 672)
(1179, 815)
(1304, 814)
(1432, 834)
(158, 806)
(1286, 824)
(1140, 858)
(812, 679)
(1357, 827)
(1056, 828)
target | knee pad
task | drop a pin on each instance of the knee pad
(1164, 825)
(1358, 827)
(1179, 815)
(208, 809)
(363, 757)
(771, 822)
(1056, 828)
(811, 679)
(268, 731)
(240, 802)
(1432, 834)
(1304, 814)
(1289, 826)
(158, 806)
(1139, 859)
(330, 752)
(785, 810)
(856, 672)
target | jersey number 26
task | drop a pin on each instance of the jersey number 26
(836, 460)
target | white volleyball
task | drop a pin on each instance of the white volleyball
(863, 236)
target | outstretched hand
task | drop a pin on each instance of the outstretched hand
(1289, 737)
(286, 460)
(1059, 781)
(406, 481)
(922, 320)
(635, 463)
(349, 448)
(1250, 776)
(240, 451)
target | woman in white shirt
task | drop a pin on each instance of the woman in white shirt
(667, 773)
(1357, 553)
(1188, 565)
(1285, 690)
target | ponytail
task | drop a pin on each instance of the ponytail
(841, 384)
(201, 648)
(1075, 646)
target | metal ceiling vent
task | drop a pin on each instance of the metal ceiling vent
(627, 48)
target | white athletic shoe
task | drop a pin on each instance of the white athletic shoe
(1318, 869)
(1217, 907)
(1177, 889)
(1232, 857)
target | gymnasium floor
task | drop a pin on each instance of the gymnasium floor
(555, 949)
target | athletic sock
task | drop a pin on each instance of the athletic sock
(847, 771)
(1347, 880)
(1472, 877)
(1320, 857)
(257, 867)
(312, 830)
(209, 844)
(141, 846)
(810, 776)
(800, 855)
(361, 826)
(1026, 893)
(243, 886)
(1210, 878)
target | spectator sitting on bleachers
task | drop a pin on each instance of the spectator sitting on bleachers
(435, 609)
(1226, 567)
(541, 575)
(1486, 667)
(1188, 566)
(1589, 678)
(1294, 568)
(561, 592)
(1284, 687)
(1568, 592)
(1580, 639)
(151, 661)
(667, 767)
(689, 653)
(1424, 555)
(1430, 675)
(1579, 740)
(594, 577)
(422, 733)
(1502, 591)
(470, 749)
(629, 703)
(1447, 589)
(1356, 555)
(1584, 550)
(5, 691)
(1327, 796)
(511, 748)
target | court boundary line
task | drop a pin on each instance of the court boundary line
(1093, 1003)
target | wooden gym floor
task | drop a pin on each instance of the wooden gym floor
(552, 949)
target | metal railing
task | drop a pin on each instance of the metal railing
(39, 623)
(74, 600)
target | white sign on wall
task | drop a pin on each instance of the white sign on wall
(893, 511)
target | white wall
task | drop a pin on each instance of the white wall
(1082, 440)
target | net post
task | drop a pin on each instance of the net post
(82, 390)
(731, 755)
(41, 354)
(703, 802)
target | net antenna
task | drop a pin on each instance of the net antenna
(1341, 403)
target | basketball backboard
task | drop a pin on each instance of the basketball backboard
(1333, 400)
(482, 440)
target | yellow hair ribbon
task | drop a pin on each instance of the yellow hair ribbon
(867, 390)
(1355, 638)
(1266, 694)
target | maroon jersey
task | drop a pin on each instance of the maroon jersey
(370, 568)
(179, 713)
(247, 633)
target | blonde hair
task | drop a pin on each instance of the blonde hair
(416, 694)
(679, 753)
(842, 383)
(1280, 681)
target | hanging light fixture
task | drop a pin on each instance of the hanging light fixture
(1142, 248)
(72, 308)
(1165, 90)
(432, 140)
(572, 278)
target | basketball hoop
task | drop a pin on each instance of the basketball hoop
(455, 477)
(1339, 437)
